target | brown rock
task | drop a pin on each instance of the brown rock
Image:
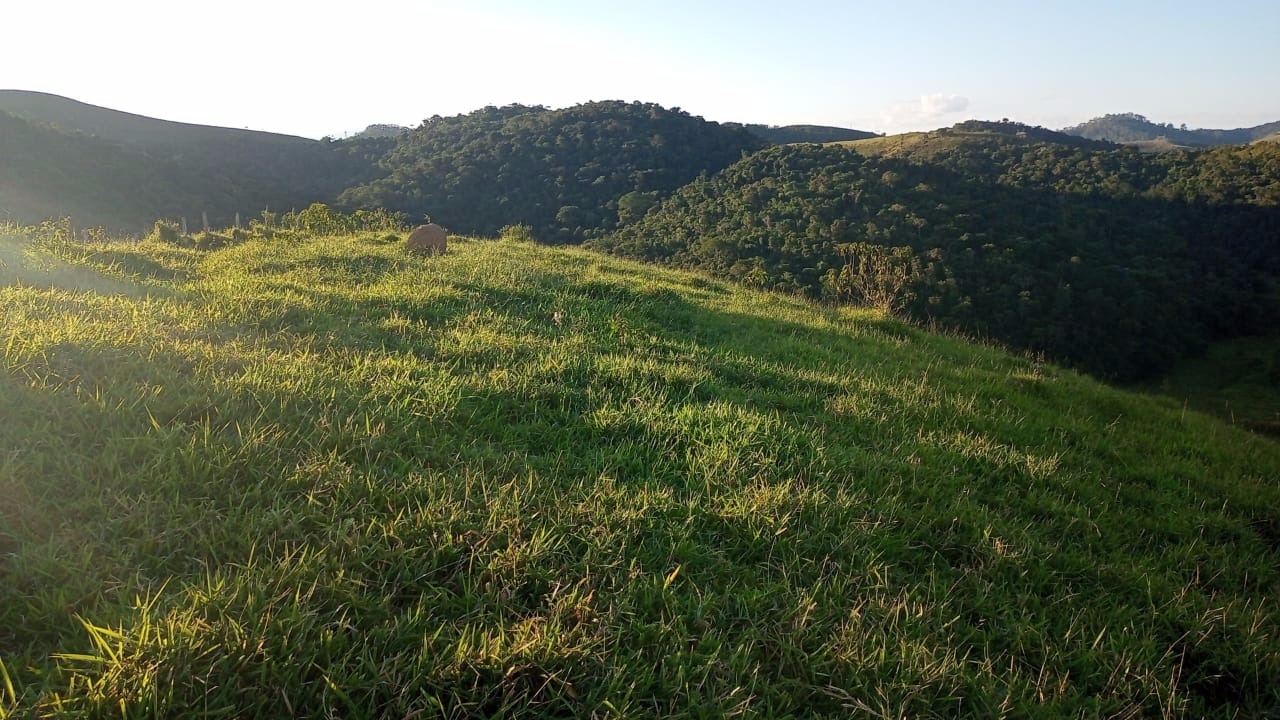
(428, 239)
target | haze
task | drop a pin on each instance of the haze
(311, 70)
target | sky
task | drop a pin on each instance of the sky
(318, 68)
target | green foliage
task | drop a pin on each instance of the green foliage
(635, 205)
(559, 171)
(877, 276)
(166, 231)
(324, 478)
(1114, 261)
(516, 233)
(320, 219)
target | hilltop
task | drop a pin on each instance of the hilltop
(968, 135)
(380, 130)
(569, 174)
(784, 134)
(126, 128)
(316, 475)
(1137, 130)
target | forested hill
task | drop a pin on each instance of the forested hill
(1114, 261)
(568, 173)
(1131, 128)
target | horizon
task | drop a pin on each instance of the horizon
(349, 132)
(883, 70)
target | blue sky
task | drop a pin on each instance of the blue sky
(314, 69)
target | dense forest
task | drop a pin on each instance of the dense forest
(569, 174)
(1114, 261)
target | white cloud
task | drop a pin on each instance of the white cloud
(927, 108)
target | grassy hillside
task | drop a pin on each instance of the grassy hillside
(126, 128)
(46, 173)
(320, 476)
(1237, 380)
(165, 167)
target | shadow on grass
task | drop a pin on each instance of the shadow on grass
(717, 453)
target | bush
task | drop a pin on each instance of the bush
(516, 233)
(211, 241)
(166, 231)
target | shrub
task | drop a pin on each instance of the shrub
(516, 233)
(165, 231)
(211, 241)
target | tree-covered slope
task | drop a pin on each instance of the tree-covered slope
(321, 476)
(568, 173)
(1115, 261)
(1131, 128)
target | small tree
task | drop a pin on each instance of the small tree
(875, 275)
(634, 205)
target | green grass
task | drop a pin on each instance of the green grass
(1237, 380)
(325, 477)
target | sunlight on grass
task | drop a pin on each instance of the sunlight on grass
(321, 476)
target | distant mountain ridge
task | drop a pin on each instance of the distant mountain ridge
(787, 134)
(1135, 129)
(567, 189)
(83, 160)
(124, 127)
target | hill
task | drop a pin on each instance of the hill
(1113, 261)
(570, 173)
(785, 134)
(257, 169)
(133, 130)
(1131, 128)
(46, 173)
(970, 136)
(316, 476)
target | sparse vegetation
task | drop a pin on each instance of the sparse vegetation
(325, 477)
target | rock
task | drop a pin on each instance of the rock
(428, 239)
